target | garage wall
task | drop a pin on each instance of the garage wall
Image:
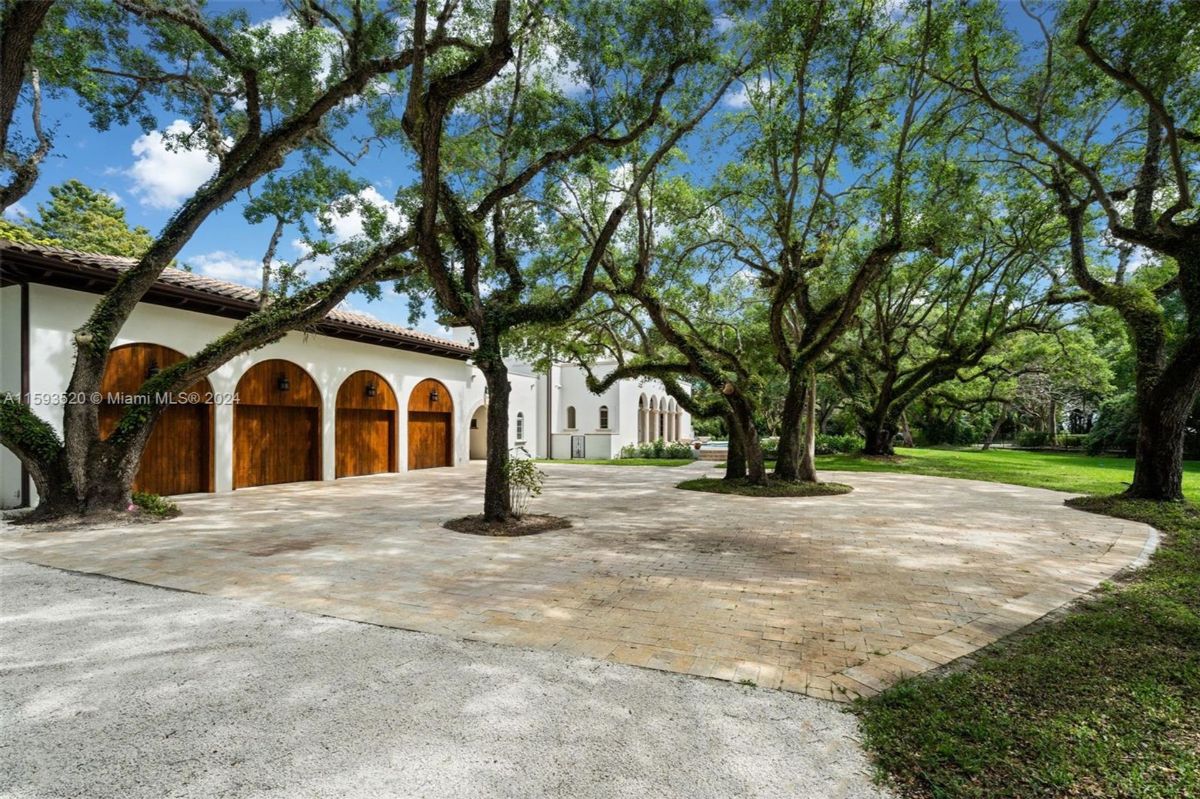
(56, 312)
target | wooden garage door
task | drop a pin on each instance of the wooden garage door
(178, 455)
(430, 426)
(428, 440)
(274, 444)
(366, 441)
(276, 426)
(365, 427)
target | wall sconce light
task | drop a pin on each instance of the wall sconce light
(371, 389)
(284, 384)
(474, 424)
(152, 369)
(434, 396)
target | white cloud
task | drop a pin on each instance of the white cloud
(163, 172)
(739, 95)
(350, 223)
(738, 98)
(228, 266)
(112, 195)
(15, 212)
(562, 73)
(282, 24)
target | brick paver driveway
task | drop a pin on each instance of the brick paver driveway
(830, 596)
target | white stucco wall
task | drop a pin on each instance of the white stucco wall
(56, 312)
(570, 390)
(10, 382)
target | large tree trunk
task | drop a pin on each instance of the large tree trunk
(1158, 465)
(742, 418)
(1162, 421)
(791, 430)
(808, 461)
(497, 499)
(105, 487)
(735, 460)
(756, 468)
(879, 431)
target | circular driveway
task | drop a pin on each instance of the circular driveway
(829, 596)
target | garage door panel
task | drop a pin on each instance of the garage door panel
(177, 458)
(429, 440)
(365, 441)
(274, 444)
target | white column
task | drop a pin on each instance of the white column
(223, 446)
(328, 426)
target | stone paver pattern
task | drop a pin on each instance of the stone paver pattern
(834, 597)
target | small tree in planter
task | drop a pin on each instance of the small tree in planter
(525, 481)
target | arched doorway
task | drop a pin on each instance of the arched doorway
(430, 426)
(365, 425)
(276, 426)
(479, 428)
(178, 455)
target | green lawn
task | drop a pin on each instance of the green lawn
(1065, 472)
(620, 461)
(1104, 702)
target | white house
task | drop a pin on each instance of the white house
(586, 425)
(351, 396)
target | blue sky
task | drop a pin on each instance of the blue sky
(150, 182)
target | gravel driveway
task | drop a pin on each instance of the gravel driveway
(115, 689)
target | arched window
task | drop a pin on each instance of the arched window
(603, 417)
(570, 417)
(520, 427)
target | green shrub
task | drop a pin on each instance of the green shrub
(1115, 427)
(525, 481)
(1072, 440)
(1033, 438)
(154, 505)
(657, 449)
(839, 445)
(677, 450)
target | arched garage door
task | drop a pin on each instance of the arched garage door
(430, 426)
(178, 456)
(276, 426)
(366, 425)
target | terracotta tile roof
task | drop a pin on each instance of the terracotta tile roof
(224, 289)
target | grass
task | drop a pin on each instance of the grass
(773, 489)
(620, 461)
(154, 505)
(1101, 702)
(1081, 474)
